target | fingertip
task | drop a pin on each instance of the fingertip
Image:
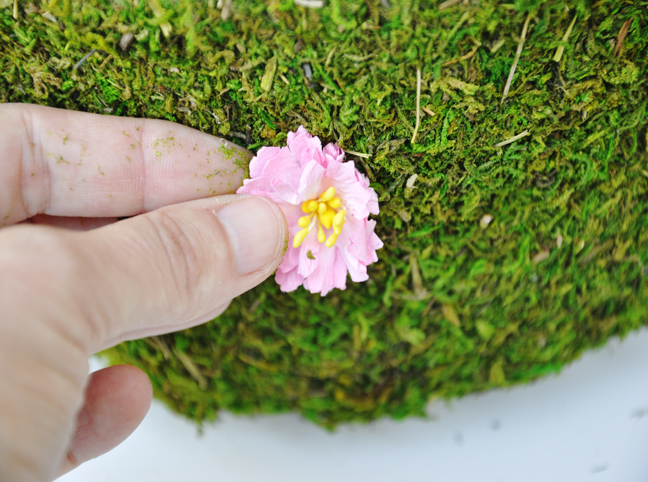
(257, 232)
(116, 401)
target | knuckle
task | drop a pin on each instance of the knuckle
(184, 259)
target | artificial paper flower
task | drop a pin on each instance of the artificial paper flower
(327, 203)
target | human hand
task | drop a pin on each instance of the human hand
(68, 293)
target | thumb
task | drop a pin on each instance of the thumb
(178, 266)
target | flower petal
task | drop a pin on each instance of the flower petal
(309, 255)
(330, 273)
(278, 181)
(332, 154)
(362, 242)
(350, 189)
(305, 147)
(258, 162)
(300, 172)
(310, 180)
(289, 281)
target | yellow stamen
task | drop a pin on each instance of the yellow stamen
(304, 221)
(335, 202)
(327, 218)
(299, 237)
(327, 195)
(325, 209)
(339, 219)
(310, 206)
(330, 242)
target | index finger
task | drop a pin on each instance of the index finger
(66, 163)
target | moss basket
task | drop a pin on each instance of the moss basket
(515, 218)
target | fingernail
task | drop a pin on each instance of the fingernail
(254, 228)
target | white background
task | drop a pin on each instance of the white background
(590, 423)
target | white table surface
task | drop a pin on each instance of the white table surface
(589, 423)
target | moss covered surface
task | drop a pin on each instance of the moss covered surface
(456, 304)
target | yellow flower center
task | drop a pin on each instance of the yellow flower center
(325, 213)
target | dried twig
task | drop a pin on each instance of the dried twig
(268, 76)
(621, 37)
(158, 11)
(561, 48)
(191, 367)
(310, 3)
(428, 111)
(329, 57)
(418, 104)
(50, 17)
(358, 154)
(83, 60)
(159, 344)
(541, 256)
(517, 57)
(225, 12)
(409, 186)
(512, 139)
(448, 4)
(464, 57)
(15, 10)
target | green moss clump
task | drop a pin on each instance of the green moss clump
(455, 304)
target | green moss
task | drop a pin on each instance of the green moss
(456, 304)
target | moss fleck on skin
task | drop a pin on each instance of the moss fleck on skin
(228, 151)
(240, 159)
(451, 308)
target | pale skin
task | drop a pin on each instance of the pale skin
(74, 280)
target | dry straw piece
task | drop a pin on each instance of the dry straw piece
(561, 49)
(418, 104)
(621, 37)
(517, 57)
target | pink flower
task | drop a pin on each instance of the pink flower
(327, 203)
